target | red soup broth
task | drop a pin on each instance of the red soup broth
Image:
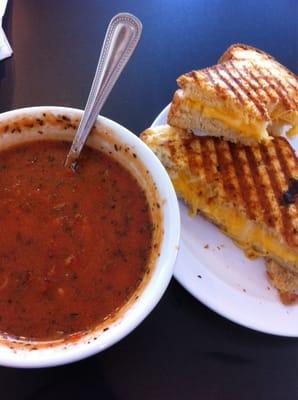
(74, 246)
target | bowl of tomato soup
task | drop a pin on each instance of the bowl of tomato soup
(85, 253)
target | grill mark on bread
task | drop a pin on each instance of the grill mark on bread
(287, 148)
(276, 167)
(285, 220)
(271, 174)
(192, 156)
(292, 209)
(232, 53)
(219, 90)
(219, 69)
(283, 93)
(274, 207)
(269, 98)
(249, 181)
(172, 149)
(275, 95)
(207, 164)
(208, 73)
(229, 177)
(264, 204)
(274, 82)
(283, 162)
(216, 173)
(286, 156)
(259, 90)
(295, 87)
(251, 96)
(244, 185)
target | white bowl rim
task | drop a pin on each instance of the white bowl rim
(160, 277)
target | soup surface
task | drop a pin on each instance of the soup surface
(74, 246)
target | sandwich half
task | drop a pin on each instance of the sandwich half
(244, 190)
(245, 98)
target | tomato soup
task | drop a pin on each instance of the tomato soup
(74, 246)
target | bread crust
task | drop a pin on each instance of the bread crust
(284, 280)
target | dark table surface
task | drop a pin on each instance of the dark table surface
(182, 350)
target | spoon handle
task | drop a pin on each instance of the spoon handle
(121, 39)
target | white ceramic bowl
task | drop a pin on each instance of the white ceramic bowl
(49, 123)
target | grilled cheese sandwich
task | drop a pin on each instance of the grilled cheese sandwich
(238, 188)
(247, 97)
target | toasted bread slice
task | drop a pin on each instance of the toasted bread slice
(284, 280)
(239, 188)
(248, 94)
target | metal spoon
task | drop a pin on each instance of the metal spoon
(120, 41)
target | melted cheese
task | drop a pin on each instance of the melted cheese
(292, 131)
(256, 129)
(247, 234)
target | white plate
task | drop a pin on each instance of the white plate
(218, 274)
